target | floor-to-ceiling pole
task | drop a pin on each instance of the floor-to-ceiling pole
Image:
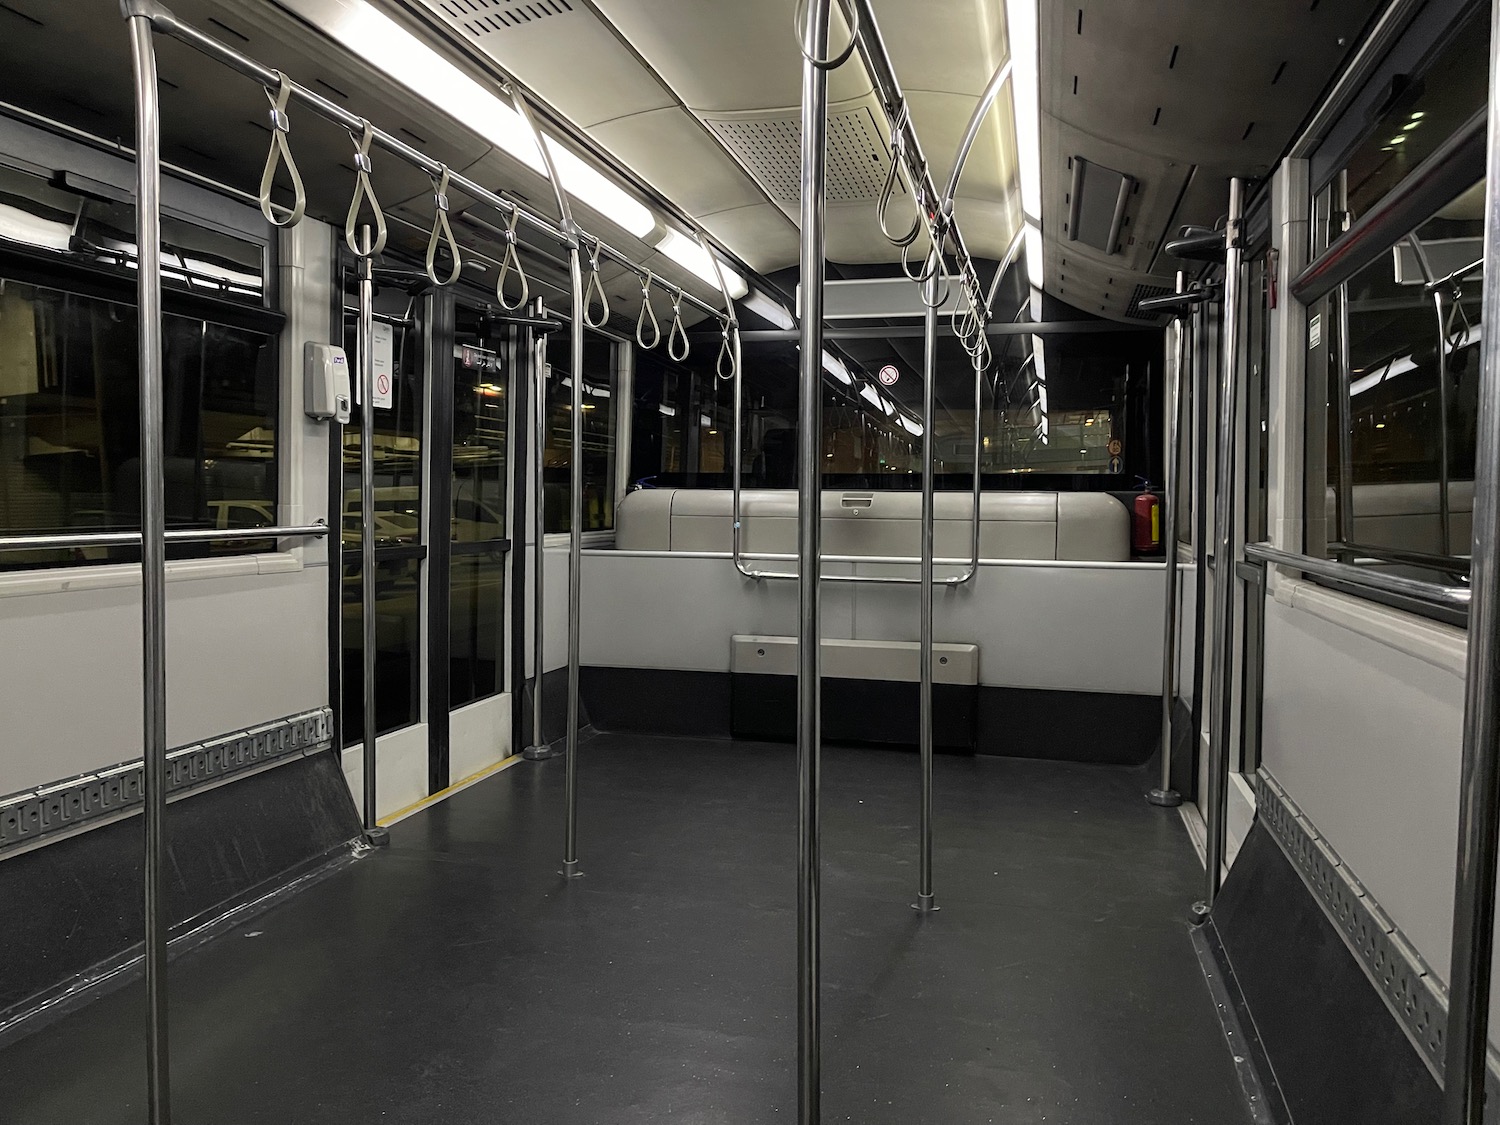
(814, 34)
(1221, 653)
(1177, 357)
(925, 902)
(537, 355)
(366, 375)
(1467, 1040)
(153, 558)
(575, 563)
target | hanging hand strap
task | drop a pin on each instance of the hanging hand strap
(887, 193)
(647, 311)
(728, 364)
(281, 153)
(677, 332)
(512, 261)
(595, 286)
(441, 231)
(363, 189)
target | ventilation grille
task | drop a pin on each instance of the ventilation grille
(485, 17)
(770, 148)
(1145, 293)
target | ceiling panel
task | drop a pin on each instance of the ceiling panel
(669, 148)
(943, 46)
(764, 237)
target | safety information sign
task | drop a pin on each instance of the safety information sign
(384, 374)
(889, 375)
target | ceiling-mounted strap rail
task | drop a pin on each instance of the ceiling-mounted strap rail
(442, 232)
(567, 233)
(364, 189)
(512, 261)
(280, 152)
(595, 286)
(677, 332)
(647, 311)
(833, 62)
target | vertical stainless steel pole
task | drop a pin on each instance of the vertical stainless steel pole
(809, 551)
(575, 565)
(153, 557)
(1445, 528)
(373, 832)
(539, 749)
(1344, 509)
(1220, 690)
(1164, 795)
(925, 903)
(1479, 776)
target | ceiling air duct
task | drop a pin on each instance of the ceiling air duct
(1096, 205)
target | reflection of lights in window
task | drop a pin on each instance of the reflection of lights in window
(1401, 139)
(705, 420)
(589, 406)
(1380, 425)
(1418, 115)
(1409, 126)
(669, 411)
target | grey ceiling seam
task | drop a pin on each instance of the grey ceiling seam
(717, 140)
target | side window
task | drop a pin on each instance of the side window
(600, 419)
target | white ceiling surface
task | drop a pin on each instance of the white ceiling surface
(649, 80)
(1227, 54)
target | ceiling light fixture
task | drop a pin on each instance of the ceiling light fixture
(1021, 28)
(770, 309)
(689, 254)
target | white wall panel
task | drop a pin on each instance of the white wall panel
(1366, 740)
(1076, 627)
(479, 736)
(240, 651)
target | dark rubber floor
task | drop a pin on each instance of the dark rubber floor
(455, 979)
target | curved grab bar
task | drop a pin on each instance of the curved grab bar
(834, 61)
(281, 152)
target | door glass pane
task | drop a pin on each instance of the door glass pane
(598, 434)
(398, 642)
(397, 445)
(481, 403)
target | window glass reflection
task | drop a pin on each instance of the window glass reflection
(397, 646)
(599, 406)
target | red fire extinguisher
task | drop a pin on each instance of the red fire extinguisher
(1145, 522)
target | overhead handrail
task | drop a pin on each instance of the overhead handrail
(677, 332)
(442, 231)
(280, 152)
(512, 261)
(77, 540)
(166, 23)
(595, 286)
(364, 189)
(833, 62)
(647, 311)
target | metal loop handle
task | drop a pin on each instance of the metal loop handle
(595, 286)
(512, 261)
(939, 269)
(927, 268)
(640, 320)
(362, 187)
(835, 61)
(677, 332)
(882, 208)
(281, 152)
(728, 352)
(442, 231)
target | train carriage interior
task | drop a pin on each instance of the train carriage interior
(607, 561)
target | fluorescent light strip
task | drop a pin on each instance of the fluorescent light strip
(835, 367)
(690, 255)
(1021, 29)
(771, 310)
(17, 225)
(386, 45)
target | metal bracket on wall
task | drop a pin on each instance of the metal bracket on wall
(1405, 981)
(104, 794)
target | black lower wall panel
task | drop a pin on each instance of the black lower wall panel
(657, 701)
(855, 711)
(1184, 752)
(75, 906)
(1069, 726)
(554, 706)
(1337, 1051)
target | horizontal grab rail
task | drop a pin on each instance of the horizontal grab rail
(726, 556)
(133, 538)
(1451, 597)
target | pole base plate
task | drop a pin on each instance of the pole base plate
(926, 904)
(1199, 913)
(1164, 798)
(544, 752)
(570, 870)
(378, 837)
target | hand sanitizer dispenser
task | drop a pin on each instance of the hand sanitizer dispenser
(325, 383)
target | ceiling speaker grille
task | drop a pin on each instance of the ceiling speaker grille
(485, 17)
(770, 148)
(1145, 293)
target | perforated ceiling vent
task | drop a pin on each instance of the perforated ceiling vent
(770, 148)
(485, 17)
